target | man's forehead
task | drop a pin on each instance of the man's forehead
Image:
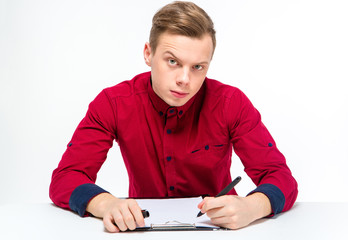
(200, 49)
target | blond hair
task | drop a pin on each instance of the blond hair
(182, 18)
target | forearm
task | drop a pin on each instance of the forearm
(259, 205)
(63, 184)
(98, 205)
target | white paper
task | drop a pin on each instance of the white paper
(182, 210)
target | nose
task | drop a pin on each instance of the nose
(183, 77)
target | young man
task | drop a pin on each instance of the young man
(176, 129)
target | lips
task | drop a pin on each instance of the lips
(178, 94)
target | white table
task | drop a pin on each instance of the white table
(46, 221)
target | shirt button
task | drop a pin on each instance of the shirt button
(169, 131)
(169, 158)
(171, 188)
(171, 111)
(270, 144)
(70, 144)
(180, 112)
(161, 113)
(206, 147)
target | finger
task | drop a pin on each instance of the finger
(200, 205)
(119, 221)
(109, 224)
(211, 203)
(216, 212)
(227, 207)
(137, 214)
(221, 220)
(128, 218)
(226, 222)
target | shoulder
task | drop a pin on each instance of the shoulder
(233, 101)
(128, 88)
(218, 89)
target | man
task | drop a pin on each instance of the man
(176, 129)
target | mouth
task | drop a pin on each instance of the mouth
(178, 94)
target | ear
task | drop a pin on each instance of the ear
(147, 54)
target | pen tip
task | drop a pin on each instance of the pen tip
(199, 214)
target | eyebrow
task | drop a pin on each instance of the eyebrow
(169, 52)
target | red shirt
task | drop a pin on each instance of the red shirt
(172, 151)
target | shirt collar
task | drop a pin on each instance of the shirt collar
(163, 108)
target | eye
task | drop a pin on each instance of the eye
(172, 62)
(198, 67)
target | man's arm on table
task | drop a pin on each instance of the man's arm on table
(276, 188)
(125, 213)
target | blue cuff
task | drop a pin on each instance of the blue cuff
(275, 195)
(82, 195)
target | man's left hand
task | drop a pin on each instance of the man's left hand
(235, 212)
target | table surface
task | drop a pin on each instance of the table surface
(306, 220)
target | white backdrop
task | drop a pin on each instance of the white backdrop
(289, 57)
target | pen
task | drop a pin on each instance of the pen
(225, 190)
(145, 213)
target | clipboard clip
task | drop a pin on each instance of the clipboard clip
(172, 225)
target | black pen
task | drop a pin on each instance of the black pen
(145, 213)
(225, 190)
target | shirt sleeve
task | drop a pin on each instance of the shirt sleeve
(81, 196)
(84, 156)
(257, 150)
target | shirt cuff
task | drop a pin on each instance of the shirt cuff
(81, 196)
(275, 195)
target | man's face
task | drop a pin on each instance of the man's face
(179, 66)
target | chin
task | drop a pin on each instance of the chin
(176, 102)
(179, 103)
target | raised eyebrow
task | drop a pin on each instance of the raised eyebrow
(200, 63)
(168, 52)
(203, 63)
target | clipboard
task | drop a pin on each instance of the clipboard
(175, 214)
(177, 226)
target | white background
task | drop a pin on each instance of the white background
(289, 57)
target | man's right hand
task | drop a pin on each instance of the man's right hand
(117, 214)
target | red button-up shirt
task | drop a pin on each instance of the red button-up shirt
(172, 151)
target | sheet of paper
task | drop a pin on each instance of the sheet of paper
(183, 210)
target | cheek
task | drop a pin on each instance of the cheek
(160, 70)
(158, 85)
(197, 83)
